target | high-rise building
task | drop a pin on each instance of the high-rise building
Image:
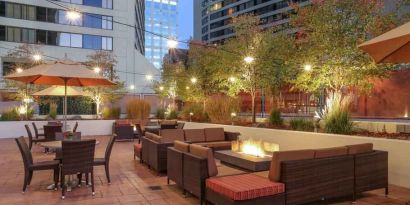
(212, 17)
(46, 24)
(161, 19)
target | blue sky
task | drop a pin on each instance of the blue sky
(185, 21)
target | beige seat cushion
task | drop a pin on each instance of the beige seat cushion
(214, 134)
(169, 122)
(278, 157)
(206, 153)
(181, 146)
(170, 135)
(359, 148)
(194, 135)
(150, 135)
(216, 144)
(122, 122)
(330, 152)
(156, 138)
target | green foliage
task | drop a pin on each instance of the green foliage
(11, 115)
(301, 124)
(172, 115)
(53, 111)
(339, 122)
(111, 113)
(160, 113)
(138, 109)
(197, 110)
(332, 31)
(275, 118)
(219, 109)
(76, 105)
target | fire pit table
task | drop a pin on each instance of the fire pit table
(244, 161)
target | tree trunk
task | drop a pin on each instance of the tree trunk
(253, 95)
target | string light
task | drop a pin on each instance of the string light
(19, 70)
(194, 80)
(307, 67)
(161, 88)
(132, 87)
(249, 59)
(232, 79)
(73, 15)
(37, 57)
(187, 87)
(148, 77)
(172, 43)
(97, 69)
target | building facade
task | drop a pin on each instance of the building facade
(45, 23)
(161, 17)
(212, 17)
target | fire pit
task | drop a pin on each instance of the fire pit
(249, 154)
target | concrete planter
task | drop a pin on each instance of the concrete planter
(399, 150)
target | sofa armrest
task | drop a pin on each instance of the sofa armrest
(195, 173)
(231, 136)
(175, 165)
(371, 171)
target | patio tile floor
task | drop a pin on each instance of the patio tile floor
(131, 182)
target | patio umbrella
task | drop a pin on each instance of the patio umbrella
(66, 73)
(391, 47)
(60, 91)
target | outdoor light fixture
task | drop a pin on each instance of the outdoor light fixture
(132, 87)
(231, 79)
(161, 88)
(97, 69)
(307, 67)
(194, 80)
(19, 70)
(249, 59)
(190, 116)
(187, 87)
(172, 43)
(36, 57)
(27, 100)
(72, 15)
(148, 77)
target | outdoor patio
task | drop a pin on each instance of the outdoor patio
(132, 182)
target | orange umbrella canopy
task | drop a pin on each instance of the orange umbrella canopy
(56, 73)
(60, 91)
(391, 47)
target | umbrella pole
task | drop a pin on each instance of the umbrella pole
(65, 104)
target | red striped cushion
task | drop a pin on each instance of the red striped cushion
(244, 186)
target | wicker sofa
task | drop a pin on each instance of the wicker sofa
(123, 129)
(154, 147)
(307, 176)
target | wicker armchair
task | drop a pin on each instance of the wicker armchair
(77, 157)
(30, 166)
(175, 162)
(75, 127)
(37, 134)
(50, 132)
(123, 129)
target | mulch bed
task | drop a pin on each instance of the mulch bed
(397, 136)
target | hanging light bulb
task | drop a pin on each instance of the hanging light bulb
(19, 70)
(172, 43)
(232, 79)
(194, 80)
(97, 69)
(37, 57)
(249, 59)
(161, 88)
(72, 15)
(307, 67)
(148, 77)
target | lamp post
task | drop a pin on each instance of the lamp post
(190, 116)
(233, 115)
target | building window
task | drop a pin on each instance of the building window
(2, 33)
(28, 36)
(107, 22)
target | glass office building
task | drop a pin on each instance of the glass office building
(160, 18)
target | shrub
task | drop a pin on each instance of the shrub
(197, 110)
(275, 118)
(339, 122)
(160, 113)
(11, 115)
(219, 109)
(301, 124)
(138, 109)
(52, 113)
(172, 114)
(111, 113)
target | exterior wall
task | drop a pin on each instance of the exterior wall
(399, 152)
(132, 66)
(161, 17)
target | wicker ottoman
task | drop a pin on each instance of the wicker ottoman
(244, 189)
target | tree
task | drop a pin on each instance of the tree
(329, 33)
(105, 61)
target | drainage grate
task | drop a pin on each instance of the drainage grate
(155, 188)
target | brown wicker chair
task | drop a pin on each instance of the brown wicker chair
(123, 132)
(32, 140)
(180, 125)
(50, 132)
(30, 166)
(175, 162)
(77, 157)
(37, 134)
(106, 160)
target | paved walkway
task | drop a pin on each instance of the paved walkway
(132, 183)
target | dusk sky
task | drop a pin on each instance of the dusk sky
(185, 21)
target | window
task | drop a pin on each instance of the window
(96, 3)
(13, 34)
(41, 36)
(52, 38)
(107, 4)
(64, 39)
(52, 15)
(41, 14)
(2, 8)
(106, 43)
(92, 20)
(76, 40)
(107, 22)
(92, 42)
(2, 33)
(28, 36)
